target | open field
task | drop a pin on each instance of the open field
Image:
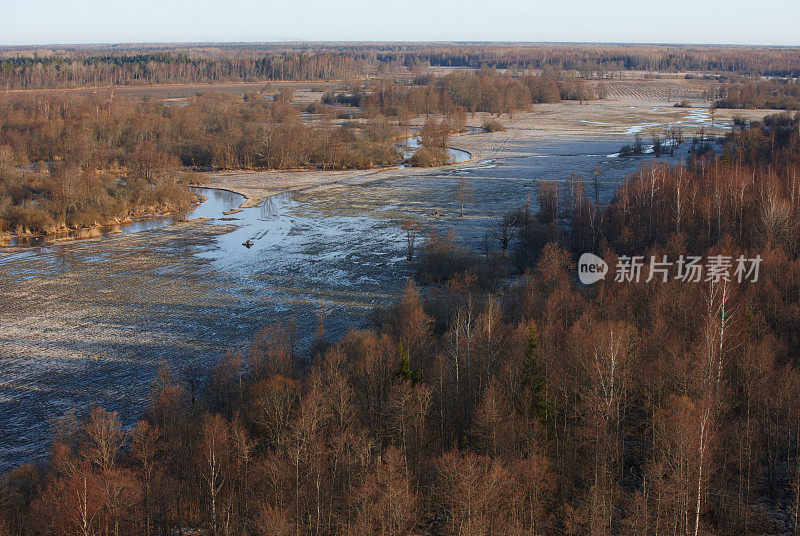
(167, 91)
(625, 85)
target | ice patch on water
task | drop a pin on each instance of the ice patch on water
(638, 129)
(321, 249)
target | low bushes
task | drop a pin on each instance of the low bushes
(430, 157)
(493, 126)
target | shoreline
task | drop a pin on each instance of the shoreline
(617, 119)
(93, 231)
(251, 200)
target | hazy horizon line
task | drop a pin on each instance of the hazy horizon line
(378, 42)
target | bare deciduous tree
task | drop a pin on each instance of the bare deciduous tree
(412, 228)
(463, 194)
(504, 229)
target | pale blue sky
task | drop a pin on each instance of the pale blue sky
(773, 22)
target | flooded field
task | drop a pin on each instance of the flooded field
(90, 321)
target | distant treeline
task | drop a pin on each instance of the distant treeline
(118, 65)
(600, 59)
(481, 91)
(484, 90)
(166, 68)
(774, 94)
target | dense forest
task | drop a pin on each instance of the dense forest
(480, 91)
(478, 407)
(80, 162)
(93, 66)
(771, 94)
(25, 72)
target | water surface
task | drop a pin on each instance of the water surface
(90, 321)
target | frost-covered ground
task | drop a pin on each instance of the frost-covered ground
(90, 321)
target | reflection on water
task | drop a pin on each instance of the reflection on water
(156, 222)
(217, 202)
(457, 155)
(263, 227)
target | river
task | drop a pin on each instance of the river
(89, 321)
